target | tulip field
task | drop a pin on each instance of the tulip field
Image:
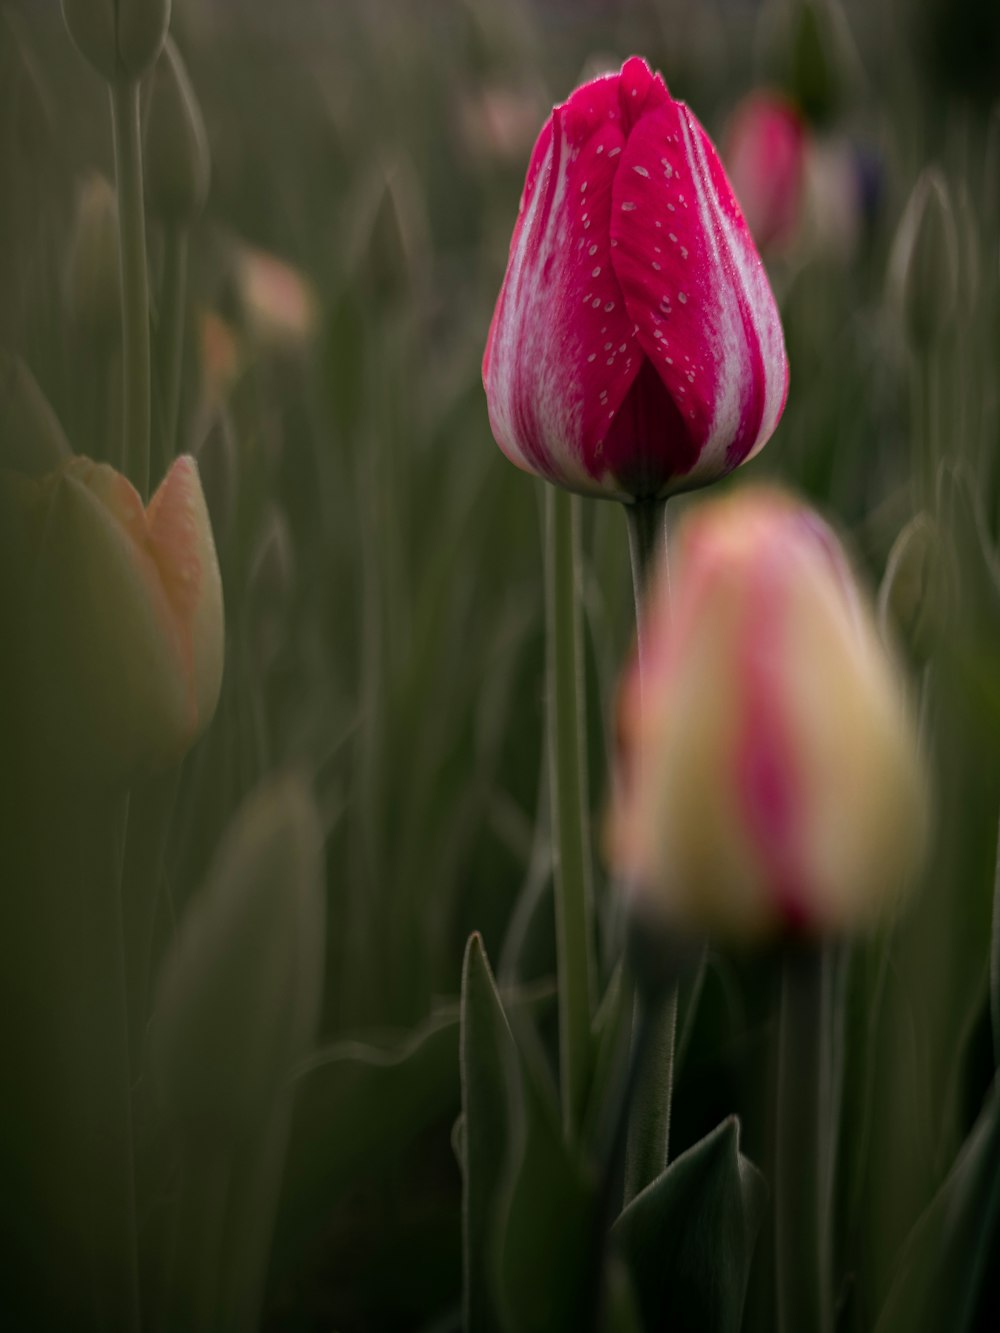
(500, 666)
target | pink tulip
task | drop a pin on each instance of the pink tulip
(636, 349)
(770, 774)
(765, 151)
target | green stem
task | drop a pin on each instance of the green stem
(171, 331)
(135, 284)
(803, 1226)
(568, 786)
(995, 961)
(647, 1149)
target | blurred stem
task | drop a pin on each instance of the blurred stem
(171, 331)
(135, 284)
(655, 1014)
(995, 960)
(568, 786)
(803, 1109)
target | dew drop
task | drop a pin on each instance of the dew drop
(597, 272)
(595, 303)
(592, 250)
(628, 206)
(640, 171)
(613, 152)
(592, 357)
(609, 306)
(682, 297)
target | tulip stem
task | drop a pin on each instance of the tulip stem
(134, 282)
(803, 1107)
(655, 1015)
(171, 332)
(568, 788)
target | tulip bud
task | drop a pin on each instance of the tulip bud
(636, 348)
(272, 576)
(278, 304)
(94, 273)
(919, 589)
(770, 774)
(176, 154)
(31, 438)
(237, 1001)
(923, 265)
(119, 631)
(765, 149)
(120, 38)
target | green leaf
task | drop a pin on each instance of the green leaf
(358, 1106)
(548, 1247)
(688, 1238)
(940, 1278)
(486, 1054)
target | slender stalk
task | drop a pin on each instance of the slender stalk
(655, 1013)
(135, 283)
(995, 961)
(803, 1227)
(568, 785)
(171, 331)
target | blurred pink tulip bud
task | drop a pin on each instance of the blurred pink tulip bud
(770, 775)
(636, 348)
(120, 629)
(278, 303)
(764, 149)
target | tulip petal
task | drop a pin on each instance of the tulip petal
(696, 288)
(181, 544)
(562, 352)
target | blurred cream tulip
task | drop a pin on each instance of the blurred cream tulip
(770, 775)
(118, 631)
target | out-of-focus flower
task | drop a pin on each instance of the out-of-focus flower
(499, 123)
(220, 356)
(636, 349)
(764, 149)
(120, 38)
(804, 195)
(278, 303)
(176, 154)
(93, 277)
(770, 775)
(119, 629)
(923, 265)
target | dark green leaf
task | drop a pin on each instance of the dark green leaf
(948, 1255)
(688, 1238)
(486, 1054)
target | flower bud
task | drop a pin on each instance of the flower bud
(919, 590)
(31, 439)
(237, 1001)
(94, 273)
(771, 778)
(120, 38)
(280, 307)
(272, 577)
(765, 151)
(636, 348)
(119, 631)
(176, 154)
(923, 265)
